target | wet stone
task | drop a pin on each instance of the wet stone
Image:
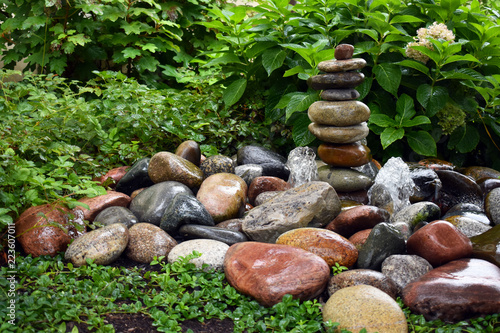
(468, 226)
(359, 238)
(112, 177)
(335, 134)
(479, 172)
(150, 204)
(339, 94)
(335, 66)
(350, 221)
(101, 202)
(343, 179)
(116, 214)
(417, 212)
(338, 113)
(487, 245)
(439, 242)
(344, 51)
(248, 172)
(436, 164)
(212, 253)
(183, 209)
(363, 306)
(404, 268)
(336, 80)
(405, 229)
(258, 155)
(267, 272)
(427, 183)
(302, 165)
(360, 197)
(492, 206)
(384, 240)
(468, 210)
(165, 166)
(37, 231)
(227, 236)
(355, 277)
(189, 150)
(380, 196)
(224, 196)
(217, 164)
(232, 224)
(265, 196)
(346, 155)
(456, 291)
(327, 244)
(457, 188)
(136, 177)
(487, 185)
(103, 245)
(312, 204)
(264, 184)
(147, 241)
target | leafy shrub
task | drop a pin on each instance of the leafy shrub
(277, 47)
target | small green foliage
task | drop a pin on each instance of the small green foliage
(337, 269)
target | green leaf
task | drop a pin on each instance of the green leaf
(293, 71)
(432, 99)
(466, 57)
(418, 120)
(227, 58)
(415, 65)
(463, 74)
(464, 139)
(234, 91)
(388, 77)
(405, 107)
(422, 143)
(382, 120)
(300, 102)
(300, 132)
(34, 22)
(405, 19)
(369, 32)
(130, 52)
(434, 55)
(273, 59)
(391, 134)
(258, 48)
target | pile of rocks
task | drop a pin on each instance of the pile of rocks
(441, 254)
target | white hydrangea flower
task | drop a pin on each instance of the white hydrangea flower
(435, 31)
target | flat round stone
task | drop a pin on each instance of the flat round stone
(340, 113)
(345, 155)
(334, 66)
(339, 94)
(336, 80)
(336, 134)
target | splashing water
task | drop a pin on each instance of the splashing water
(302, 165)
(395, 177)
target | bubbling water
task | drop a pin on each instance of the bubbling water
(302, 165)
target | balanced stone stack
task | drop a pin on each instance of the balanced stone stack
(339, 120)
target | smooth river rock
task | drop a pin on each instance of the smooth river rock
(492, 206)
(336, 80)
(327, 244)
(355, 277)
(340, 113)
(183, 209)
(103, 245)
(223, 195)
(358, 218)
(217, 164)
(334, 66)
(404, 268)
(363, 306)
(101, 202)
(487, 245)
(116, 214)
(334, 134)
(456, 291)
(149, 205)
(38, 233)
(418, 212)
(166, 166)
(212, 253)
(258, 155)
(224, 235)
(346, 155)
(312, 204)
(344, 51)
(265, 184)
(147, 241)
(344, 179)
(439, 242)
(339, 94)
(136, 177)
(189, 150)
(457, 188)
(267, 272)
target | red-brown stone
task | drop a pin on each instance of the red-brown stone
(439, 242)
(350, 221)
(346, 155)
(189, 150)
(265, 184)
(344, 51)
(41, 229)
(99, 203)
(267, 272)
(359, 238)
(458, 290)
(327, 244)
(112, 177)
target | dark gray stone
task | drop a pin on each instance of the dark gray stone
(258, 155)
(248, 172)
(339, 94)
(116, 214)
(224, 235)
(184, 209)
(217, 164)
(136, 177)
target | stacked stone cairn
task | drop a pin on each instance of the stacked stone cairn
(339, 120)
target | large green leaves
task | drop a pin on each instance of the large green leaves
(388, 77)
(431, 98)
(234, 91)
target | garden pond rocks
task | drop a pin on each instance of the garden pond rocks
(355, 219)
(487, 245)
(224, 235)
(458, 290)
(101, 202)
(404, 268)
(217, 164)
(147, 241)
(354, 277)
(364, 306)
(116, 214)
(189, 150)
(184, 208)
(346, 155)
(212, 253)
(265, 184)
(136, 177)
(267, 272)
(492, 205)
(166, 166)
(103, 245)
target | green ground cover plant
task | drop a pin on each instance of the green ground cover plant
(51, 294)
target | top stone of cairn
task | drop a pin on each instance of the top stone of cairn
(344, 51)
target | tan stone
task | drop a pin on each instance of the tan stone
(335, 134)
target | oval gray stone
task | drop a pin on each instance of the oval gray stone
(492, 206)
(339, 113)
(354, 277)
(116, 214)
(335, 134)
(418, 212)
(339, 94)
(103, 245)
(403, 269)
(344, 179)
(184, 209)
(212, 252)
(336, 80)
(150, 204)
(248, 172)
(147, 241)
(227, 236)
(333, 66)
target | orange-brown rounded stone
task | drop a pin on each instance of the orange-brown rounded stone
(344, 155)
